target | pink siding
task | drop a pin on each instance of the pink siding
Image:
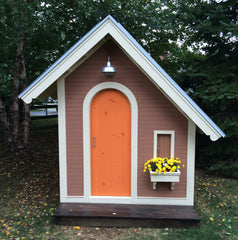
(155, 113)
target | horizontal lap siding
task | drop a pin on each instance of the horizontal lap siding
(162, 116)
(155, 113)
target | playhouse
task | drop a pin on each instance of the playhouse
(109, 126)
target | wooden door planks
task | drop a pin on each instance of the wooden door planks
(125, 215)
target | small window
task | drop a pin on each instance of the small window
(164, 144)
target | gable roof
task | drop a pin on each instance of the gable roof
(81, 50)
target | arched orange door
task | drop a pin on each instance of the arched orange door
(110, 144)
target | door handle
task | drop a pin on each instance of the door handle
(94, 141)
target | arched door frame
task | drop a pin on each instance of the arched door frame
(86, 143)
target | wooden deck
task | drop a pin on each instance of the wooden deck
(125, 215)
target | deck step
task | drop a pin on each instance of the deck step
(125, 215)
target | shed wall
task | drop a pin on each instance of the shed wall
(156, 112)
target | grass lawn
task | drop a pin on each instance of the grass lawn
(29, 195)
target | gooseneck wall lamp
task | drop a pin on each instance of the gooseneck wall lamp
(109, 70)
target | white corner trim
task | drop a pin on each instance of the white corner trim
(86, 137)
(191, 161)
(62, 138)
(172, 144)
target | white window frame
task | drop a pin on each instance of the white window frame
(172, 142)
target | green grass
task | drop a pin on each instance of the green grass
(29, 194)
(216, 200)
(39, 124)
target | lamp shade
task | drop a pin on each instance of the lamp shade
(108, 70)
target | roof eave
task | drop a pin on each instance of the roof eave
(140, 57)
(25, 94)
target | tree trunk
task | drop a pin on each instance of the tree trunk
(25, 124)
(15, 118)
(15, 112)
(20, 110)
(16, 124)
(4, 121)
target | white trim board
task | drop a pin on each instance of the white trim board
(109, 26)
(191, 161)
(139, 200)
(62, 138)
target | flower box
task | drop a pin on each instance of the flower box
(172, 177)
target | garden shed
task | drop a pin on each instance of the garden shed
(109, 126)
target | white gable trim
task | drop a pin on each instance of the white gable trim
(140, 57)
(62, 66)
(162, 81)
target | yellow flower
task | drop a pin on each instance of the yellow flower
(77, 227)
(212, 219)
(159, 164)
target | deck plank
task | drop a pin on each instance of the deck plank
(125, 215)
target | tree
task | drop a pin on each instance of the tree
(13, 76)
(35, 33)
(210, 74)
(196, 40)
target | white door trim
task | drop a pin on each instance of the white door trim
(86, 139)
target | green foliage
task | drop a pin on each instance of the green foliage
(210, 75)
(219, 158)
(52, 27)
(204, 63)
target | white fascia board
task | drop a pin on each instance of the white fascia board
(161, 79)
(140, 57)
(65, 62)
